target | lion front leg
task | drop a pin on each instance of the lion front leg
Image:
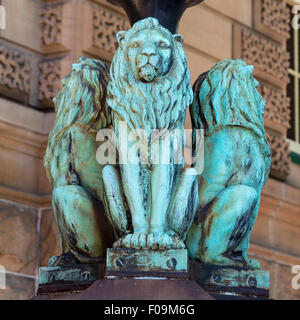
(135, 181)
(164, 179)
(184, 204)
(114, 201)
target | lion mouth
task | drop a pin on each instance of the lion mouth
(148, 72)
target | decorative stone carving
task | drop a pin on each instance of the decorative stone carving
(280, 156)
(277, 107)
(51, 25)
(272, 17)
(14, 70)
(276, 16)
(271, 61)
(105, 27)
(49, 81)
(265, 55)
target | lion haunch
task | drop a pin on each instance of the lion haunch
(229, 108)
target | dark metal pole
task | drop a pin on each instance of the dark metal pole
(167, 12)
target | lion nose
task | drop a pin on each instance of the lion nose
(148, 51)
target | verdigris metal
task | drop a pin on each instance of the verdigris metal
(149, 90)
(167, 12)
(132, 263)
(71, 164)
(218, 279)
(148, 205)
(237, 163)
(80, 273)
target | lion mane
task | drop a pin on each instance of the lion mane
(159, 104)
(226, 96)
(81, 101)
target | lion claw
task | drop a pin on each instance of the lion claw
(151, 241)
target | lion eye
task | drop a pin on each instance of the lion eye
(135, 45)
(162, 44)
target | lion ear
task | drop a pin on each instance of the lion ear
(179, 38)
(120, 37)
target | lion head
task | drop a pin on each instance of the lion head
(227, 96)
(149, 50)
(82, 100)
(149, 79)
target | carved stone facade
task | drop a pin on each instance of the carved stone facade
(51, 25)
(265, 48)
(275, 15)
(279, 156)
(105, 27)
(52, 28)
(14, 72)
(277, 107)
(270, 59)
(49, 81)
(52, 44)
(272, 17)
(21, 72)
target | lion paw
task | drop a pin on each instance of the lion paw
(63, 260)
(253, 264)
(133, 241)
(151, 241)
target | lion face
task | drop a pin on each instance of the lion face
(149, 84)
(149, 53)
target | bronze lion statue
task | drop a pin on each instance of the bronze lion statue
(71, 165)
(230, 110)
(149, 91)
(143, 205)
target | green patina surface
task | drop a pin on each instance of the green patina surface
(146, 263)
(149, 90)
(72, 273)
(236, 166)
(231, 280)
(147, 205)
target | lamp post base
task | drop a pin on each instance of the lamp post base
(131, 263)
(129, 274)
(231, 281)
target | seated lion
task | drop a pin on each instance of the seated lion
(148, 205)
(150, 89)
(71, 165)
(237, 162)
